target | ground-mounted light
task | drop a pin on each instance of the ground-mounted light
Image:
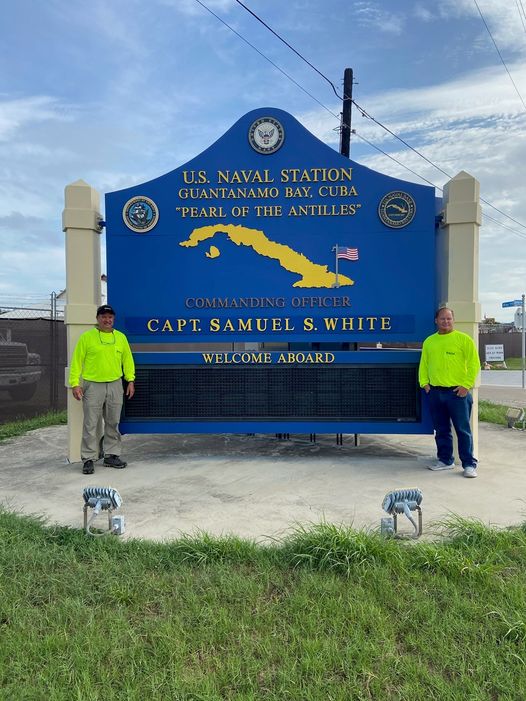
(514, 415)
(102, 499)
(402, 501)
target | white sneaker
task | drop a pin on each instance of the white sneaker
(438, 466)
(470, 471)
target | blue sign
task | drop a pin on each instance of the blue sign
(513, 303)
(271, 235)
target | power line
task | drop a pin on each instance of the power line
(262, 55)
(361, 109)
(340, 97)
(364, 113)
(499, 53)
(396, 160)
(437, 187)
(448, 175)
(521, 13)
(504, 226)
(369, 116)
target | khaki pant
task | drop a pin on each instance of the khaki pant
(101, 401)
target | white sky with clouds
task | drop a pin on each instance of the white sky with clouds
(120, 91)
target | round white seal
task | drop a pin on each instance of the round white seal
(266, 135)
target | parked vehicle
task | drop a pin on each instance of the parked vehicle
(20, 370)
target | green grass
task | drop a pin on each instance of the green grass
(511, 364)
(492, 413)
(328, 613)
(18, 428)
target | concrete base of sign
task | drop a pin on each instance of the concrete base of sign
(258, 486)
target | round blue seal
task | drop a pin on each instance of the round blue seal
(140, 214)
(397, 209)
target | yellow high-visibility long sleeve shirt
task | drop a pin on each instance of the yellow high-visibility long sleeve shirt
(449, 360)
(101, 357)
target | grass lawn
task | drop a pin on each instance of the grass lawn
(492, 413)
(328, 613)
(511, 364)
(18, 428)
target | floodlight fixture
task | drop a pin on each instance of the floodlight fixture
(100, 499)
(513, 416)
(402, 501)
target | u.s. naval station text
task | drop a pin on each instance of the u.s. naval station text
(298, 184)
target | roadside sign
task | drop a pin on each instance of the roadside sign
(513, 303)
(494, 352)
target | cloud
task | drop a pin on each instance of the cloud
(47, 262)
(191, 8)
(372, 16)
(18, 113)
(503, 20)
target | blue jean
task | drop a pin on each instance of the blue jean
(447, 408)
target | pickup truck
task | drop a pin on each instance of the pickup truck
(20, 371)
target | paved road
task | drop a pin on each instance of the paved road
(501, 378)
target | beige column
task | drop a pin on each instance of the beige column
(458, 254)
(81, 223)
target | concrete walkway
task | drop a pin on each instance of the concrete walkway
(258, 486)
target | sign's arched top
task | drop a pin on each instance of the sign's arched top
(270, 234)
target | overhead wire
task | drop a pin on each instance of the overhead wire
(487, 216)
(370, 143)
(261, 54)
(521, 13)
(361, 109)
(499, 53)
(258, 18)
(331, 112)
(369, 116)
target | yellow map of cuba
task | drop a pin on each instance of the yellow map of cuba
(311, 274)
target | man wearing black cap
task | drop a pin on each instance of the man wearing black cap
(102, 356)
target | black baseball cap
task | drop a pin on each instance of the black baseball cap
(105, 309)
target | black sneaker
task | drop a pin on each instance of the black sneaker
(88, 468)
(114, 461)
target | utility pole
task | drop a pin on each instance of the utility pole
(345, 150)
(345, 130)
(523, 329)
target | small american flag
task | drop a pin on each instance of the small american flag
(347, 253)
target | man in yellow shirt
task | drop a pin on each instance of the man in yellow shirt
(102, 357)
(448, 368)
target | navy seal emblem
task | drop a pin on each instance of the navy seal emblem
(397, 209)
(140, 214)
(266, 135)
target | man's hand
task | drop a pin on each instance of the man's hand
(77, 393)
(427, 388)
(130, 390)
(461, 391)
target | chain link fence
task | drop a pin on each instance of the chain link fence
(33, 357)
